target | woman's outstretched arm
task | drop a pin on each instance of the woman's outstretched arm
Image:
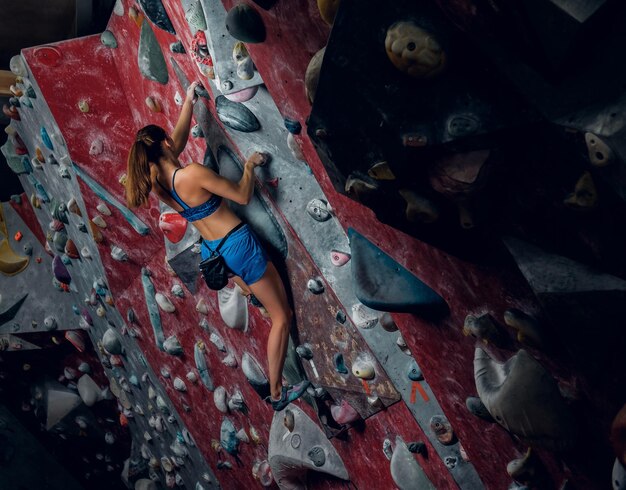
(180, 135)
(239, 192)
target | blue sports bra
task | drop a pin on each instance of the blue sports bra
(197, 212)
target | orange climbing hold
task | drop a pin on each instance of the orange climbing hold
(18, 236)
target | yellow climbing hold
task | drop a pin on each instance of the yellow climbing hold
(10, 262)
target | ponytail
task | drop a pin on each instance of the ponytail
(145, 149)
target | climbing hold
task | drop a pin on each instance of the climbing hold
(196, 131)
(414, 373)
(363, 317)
(304, 351)
(344, 413)
(243, 95)
(118, 254)
(528, 329)
(172, 346)
(526, 470)
(217, 341)
(18, 66)
(328, 10)
(191, 376)
(11, 111)
(85, 253)
(177, 290)
(585, 195)
(71, 250)
(318, 209)
(233, 308)
(236, 115)
(406, 471)
(363, 368)
(383, 284)
(254, 374)
(112, 342)
(107, 38)
(360, 187)
(155, 11)
(177, 47)
(49, 323)
(179, 384)
(289, 420)
(618, 476)
(236, 402)
(442, 430)
(315, 285)
(600, 154)
(340, 365)
(477, 408)
(99, 221)
(103, 208)
(381, 171)
(294, 146)
(173, 226)
(338, 258)
(46, 139)
(83, 106)
(89, 391)
(153, 104)
(413, 50)
(230, 360)
(202, 307)
(118, 8)
(288, 460)
(150, 58)
(164, 303)
(418, 208)
(228, 436)
(219, 398)
(483, 328)
(401, 343)
(245, 23)
(522, 396)
(312, 74)
(195, 17)
(245, 69)
(59, 270)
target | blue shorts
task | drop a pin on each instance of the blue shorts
(242, 253)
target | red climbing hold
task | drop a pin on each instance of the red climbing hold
(173, 226)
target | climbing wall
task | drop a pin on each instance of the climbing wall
(431, 304)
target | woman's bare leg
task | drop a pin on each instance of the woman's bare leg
(270, 291)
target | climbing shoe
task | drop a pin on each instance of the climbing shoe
(289, 394)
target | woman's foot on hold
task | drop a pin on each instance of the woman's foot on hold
(289, 394)
(255, 302)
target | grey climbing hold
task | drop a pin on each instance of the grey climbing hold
(60, 402)
(195, 17)
(88, 390)
(312, 74)
(340, 365)
(417, 447)
(245, 24)
(236, 402)
(108, 39)
(172, 346)
(219, 398)
(406, 472)
(112, 342)
(255, 375)
(460, 125)
(155, 11)
(315, 285)
(235, 115)
(177, 47)
(318, 209)
(522, 396)
(290, 462)
(153, 308)
(383, 284)
(477, 408)
(150, 58)
(316, 454)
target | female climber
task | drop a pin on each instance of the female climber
(199, 195)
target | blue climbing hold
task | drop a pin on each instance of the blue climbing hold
(340, 365)
(155, 11)
(293, 126)
(384, 285)
(46, 138)
(228, 437)
(414, 372)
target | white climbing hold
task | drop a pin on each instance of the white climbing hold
(85, 253)
(219, 398)
(191, 376)
(202, 307)
(118, 254)
(363, 317)
(89, 391)
(230, 360)
(179, 384)
(164, 303)
(217, 341)
(99, 221)
(18, 66)
(96, 148)
(103, 208)
(118, 8)
(363, 368)
(242, 436)
(293, 145)
(177, 290)
(236, 402)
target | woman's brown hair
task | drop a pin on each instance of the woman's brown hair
(145, 149)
